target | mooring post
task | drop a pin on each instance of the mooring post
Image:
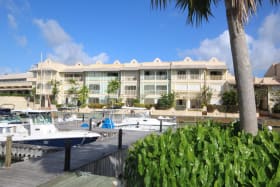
(90, 124)
(83, 117)
(120, 139)
(67, 157)
(8, 157)
(160, 126)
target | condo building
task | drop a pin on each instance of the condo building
(145, 81)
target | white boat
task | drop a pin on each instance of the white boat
(144, 124)
(139, 124)
(38, 128)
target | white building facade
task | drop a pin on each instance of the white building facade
(145, 81)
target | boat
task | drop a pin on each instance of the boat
(37, 128)
(137, 120)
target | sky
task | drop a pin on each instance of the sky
(71, 31)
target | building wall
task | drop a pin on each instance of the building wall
(145, 81)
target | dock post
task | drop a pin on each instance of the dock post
(160, 126)
(120, 139)
(83, 117)
(67, 157)
(90, 124)
(8, 157)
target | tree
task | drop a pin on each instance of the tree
(237, 12)
(166, 101)
(73, 90)
(83, 95)
(229, 98)
(206, 96)
(55, 90)
(113, 87)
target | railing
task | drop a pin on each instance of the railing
(161, 77)
(216, 77)
(149, 77)
(181, 77)
(130, 92)
(194, 76)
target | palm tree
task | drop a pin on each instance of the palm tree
(113, 87)
(55, 90)
(237, 12)
(83, 95)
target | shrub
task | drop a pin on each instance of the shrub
(95, 105)
(205, 155)
(276, 108)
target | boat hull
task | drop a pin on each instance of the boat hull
(60, 142)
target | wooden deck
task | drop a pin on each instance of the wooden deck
(38, 171)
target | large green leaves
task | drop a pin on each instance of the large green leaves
(205, 155)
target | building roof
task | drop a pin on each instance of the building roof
(16, 76)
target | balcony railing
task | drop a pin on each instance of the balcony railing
(216, 77)
(161, 77)
(149, 77)
(181, 77)
(130, 92)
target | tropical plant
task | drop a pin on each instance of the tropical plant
(112, 88)
(166, 101)
(237, 13)
(229, 98)
(55, 90)
(260, 94)
(206, 96)
(73, 90)
(83, 95)
(206, 154)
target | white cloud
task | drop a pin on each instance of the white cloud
(64, 48)
(21, 40)
(15, 11)
(12, 21)
(218, 47)
(264, 49)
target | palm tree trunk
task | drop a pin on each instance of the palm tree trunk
(242, 71)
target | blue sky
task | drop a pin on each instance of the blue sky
(90, 30)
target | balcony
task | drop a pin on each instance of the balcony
(130, 92)
(216, 77)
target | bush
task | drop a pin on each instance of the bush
(95, 105)
(205, 155)
(276, 108)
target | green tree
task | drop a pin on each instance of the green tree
(55, 90)
(229, 98)
(83, 95)
(237, 13)
(112, 88)
(73, 90)
(166, 101)
(206, 96)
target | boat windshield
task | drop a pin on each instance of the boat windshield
(42, 118)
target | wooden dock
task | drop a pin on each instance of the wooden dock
(38, 171)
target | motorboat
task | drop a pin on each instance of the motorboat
(37, 128)
(139, 124)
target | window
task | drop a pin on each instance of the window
(94, 88)
(148, 75)
(161, 75)
(161, 89)
(149, 89)
(194, 74)
(130, 90)
(181, 75)
(112, 74)
(215, 75)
